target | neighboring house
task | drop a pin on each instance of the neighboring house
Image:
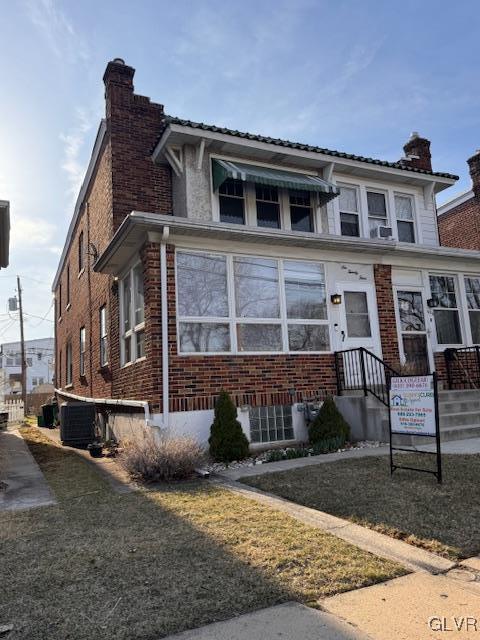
(459, 218)
(4, 233)
(200, 258)
(39, 355)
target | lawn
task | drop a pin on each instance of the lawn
(411, 506)
(146, 564)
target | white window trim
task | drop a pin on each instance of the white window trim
(232, 320)
(134, 328)
(83, 351)
(416, 225)
(69, 365)
(386, 193)
(105, 335)
(460, 308)
(358, 212)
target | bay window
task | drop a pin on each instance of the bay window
(377, 212)
(445, 310)
(132, 317)
(250, 304)
(472, 289)
(405, 219)
(349, 213)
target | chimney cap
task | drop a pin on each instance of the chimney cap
(414, 135)
(118, 61)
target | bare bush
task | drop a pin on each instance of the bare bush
(161, 460)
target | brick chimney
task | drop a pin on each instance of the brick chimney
(118, 80)
(474, 164)
(417, 152)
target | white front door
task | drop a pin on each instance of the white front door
(359, 318)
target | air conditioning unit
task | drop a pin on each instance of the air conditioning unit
(381, 232)
(77, 423)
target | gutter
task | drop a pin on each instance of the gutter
(111, 401)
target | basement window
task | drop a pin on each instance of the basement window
(271, 424)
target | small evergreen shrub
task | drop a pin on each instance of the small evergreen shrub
(328, 424)
(327, 446)
(298, 452)
(227, 440)
(274, 455)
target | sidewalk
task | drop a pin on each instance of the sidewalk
(26, 485)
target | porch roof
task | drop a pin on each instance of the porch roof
(138, 227)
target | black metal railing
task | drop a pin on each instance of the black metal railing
(463, 367)
(361, 370)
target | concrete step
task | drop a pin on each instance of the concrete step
(450, 434)
(460, 418)
(459, 406)
(459, 395)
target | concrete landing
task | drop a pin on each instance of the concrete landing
(418, 606)
(290, 621)
(26, 484)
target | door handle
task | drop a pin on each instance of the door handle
(343, 336)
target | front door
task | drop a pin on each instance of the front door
(358, 328)
(414, 347)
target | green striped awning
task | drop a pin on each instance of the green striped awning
(223, 169)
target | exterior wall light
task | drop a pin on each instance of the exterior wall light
(336, 298)
(431, 302)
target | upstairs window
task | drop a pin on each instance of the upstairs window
(349, 214)
(445, 311)
(405, 222)
(377, 212)
(132, 317)
(301, 218)
(472, 289)
(80, 253)
(232, 202)
(268, 206)
(68, 285)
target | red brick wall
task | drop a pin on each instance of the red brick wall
(460, 227)
(386, 313)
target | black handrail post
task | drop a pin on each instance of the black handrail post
(447, 354)
(477, 349)
(337, 371)
(362, 369)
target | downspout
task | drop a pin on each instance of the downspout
(164, 321)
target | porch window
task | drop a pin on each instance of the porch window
(268, 206)
(245, 304)
(349, 215)
(82, 351)
(301, 218)
(472, 289)
(103, 336)
(232, 201)
(445, 311)
(405, 220)
(132, 317)
(377, 212)
(271, 424)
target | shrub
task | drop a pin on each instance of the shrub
(329, 445)
(296, 452)
(329, 423)
(274, 455)
(162, 460)
(227, 440)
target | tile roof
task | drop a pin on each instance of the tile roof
(300, 146)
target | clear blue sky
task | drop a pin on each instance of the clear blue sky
(348, 75)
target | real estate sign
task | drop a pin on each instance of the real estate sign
(412, 405)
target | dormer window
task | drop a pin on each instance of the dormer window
(268, 206)
(232, 201)
(301, 218)
(377, 212)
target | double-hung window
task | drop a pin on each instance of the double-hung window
(103, 336)
(82, 351)
(445, 309)
(472, 289)
(405, 218)
(132, 319)
(301, 218)
(377, 212)
(68, 285)
(68, 364)
(349, 213)
(231, 199)
(250, 304)
(80, 252)
(268, 206)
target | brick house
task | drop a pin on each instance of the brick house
(459, 218)
(201, 258)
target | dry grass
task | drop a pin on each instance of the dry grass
(164, 459)
(409, 506)
(147, 564)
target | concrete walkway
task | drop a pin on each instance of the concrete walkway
(290, 621)
(413, 558)
(26, 484)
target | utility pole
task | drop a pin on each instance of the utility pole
(22, 347)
